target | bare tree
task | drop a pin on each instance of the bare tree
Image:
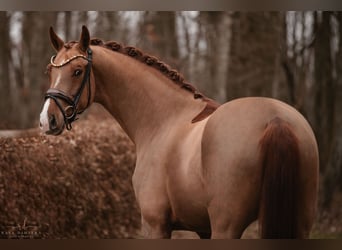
(333, 167)
(158, 35)
(36, 51)
(67, 25)
(297, 57)
(82, 18)
(5, 48)
(338, 99)
(107, 25)
(254, 55)
(217, 35)
(324, 84)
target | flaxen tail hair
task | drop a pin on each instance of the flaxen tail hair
(280, 159)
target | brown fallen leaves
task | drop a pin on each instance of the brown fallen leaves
(77, 185)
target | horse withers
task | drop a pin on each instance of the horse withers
(209, 168)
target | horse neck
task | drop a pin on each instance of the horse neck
(139, 97)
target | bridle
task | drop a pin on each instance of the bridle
(56, 94)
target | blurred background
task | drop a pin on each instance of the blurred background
(292, 56)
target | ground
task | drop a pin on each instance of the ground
(78, 185)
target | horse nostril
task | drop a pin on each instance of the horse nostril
(53, 122)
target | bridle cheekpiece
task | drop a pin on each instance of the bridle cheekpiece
(70, 112)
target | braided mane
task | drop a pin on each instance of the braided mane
(154, 62)
(151, 61)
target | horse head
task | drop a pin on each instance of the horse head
(72, 83)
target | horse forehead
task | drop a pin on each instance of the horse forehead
(66, 54)
(61, 56)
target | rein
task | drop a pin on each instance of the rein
(56, 94)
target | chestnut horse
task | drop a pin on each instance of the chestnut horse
(204, 167)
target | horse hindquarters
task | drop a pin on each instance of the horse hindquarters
(280, 157)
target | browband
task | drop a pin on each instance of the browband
(66, 61)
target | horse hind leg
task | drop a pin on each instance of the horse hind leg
(228, 224)
(156, 229)
(204, 235)
(228, 230)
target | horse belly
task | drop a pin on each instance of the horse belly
(185, 186)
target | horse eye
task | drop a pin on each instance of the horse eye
(77, 72)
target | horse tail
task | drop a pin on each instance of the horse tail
(280, 161)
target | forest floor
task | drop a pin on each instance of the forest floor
(78, 185)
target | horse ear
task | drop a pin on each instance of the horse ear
(57, 42)
(85, 39)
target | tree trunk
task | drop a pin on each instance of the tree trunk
(5, 48)
(333, 171)
(254, 54)
(338, 98)
(159, 36)
(67, 25)
(82, 19)
(36, 52)
(106, 25)
(324, 99)
(217, 36)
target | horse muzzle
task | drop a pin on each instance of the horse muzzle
(51, 123)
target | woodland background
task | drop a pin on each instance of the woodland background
(292, 56)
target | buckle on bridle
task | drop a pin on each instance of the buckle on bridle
(69, 115)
